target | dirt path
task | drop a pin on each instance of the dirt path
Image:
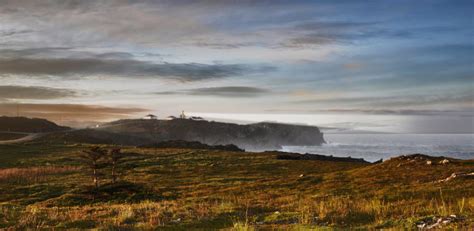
(28, 137)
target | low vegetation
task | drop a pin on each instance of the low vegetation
(32, 174)
(47, 186)
(10, 136)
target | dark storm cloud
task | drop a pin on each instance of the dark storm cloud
(124, 67)
(229, 91)
(32, 92)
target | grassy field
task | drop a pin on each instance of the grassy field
(45, 186)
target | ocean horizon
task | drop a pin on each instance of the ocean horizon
(373, 147)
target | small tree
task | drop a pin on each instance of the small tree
(116, 157)
(92, 158)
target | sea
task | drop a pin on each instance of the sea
(373, 147)
(376, 136)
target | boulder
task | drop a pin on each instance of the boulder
(445, 161)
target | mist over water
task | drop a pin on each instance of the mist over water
(441, 123)
(373, 137)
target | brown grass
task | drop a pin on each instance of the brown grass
(32, 174)
(179, 189)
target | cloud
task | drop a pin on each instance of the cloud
(347, 32)
(460, 99)
(33, 92)
(212, 24)
(115, 55)
(462, 113)
(35, 52)
(331, 25)
(228, 91)
(354, 65)
(71, 23)
(7, 33)
(124, 68)
(223, 45)
(325, 32)
(69, 112)
(398, 112)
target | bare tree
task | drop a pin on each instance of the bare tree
(92, 158)
(116, 157)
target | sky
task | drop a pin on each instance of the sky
(103, 60)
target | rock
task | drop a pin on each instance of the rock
(176, 220)
(421, 225)
(445, 161)
(301, 175)
(428, 162)
(436, 222)
(455, 175)
(378, 161)
(297, 156)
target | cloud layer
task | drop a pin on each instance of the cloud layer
(227, 91)
(343, 55)
(31, 92)
(125, 68)
(65, 62)
(67, 113)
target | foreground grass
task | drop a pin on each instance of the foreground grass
(44, 186)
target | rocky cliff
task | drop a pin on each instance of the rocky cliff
(258, 136)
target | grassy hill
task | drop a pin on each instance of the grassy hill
(45, 186)
(93, 136)
(10, 136)
(31, 125)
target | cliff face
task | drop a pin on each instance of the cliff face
(257, 136)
